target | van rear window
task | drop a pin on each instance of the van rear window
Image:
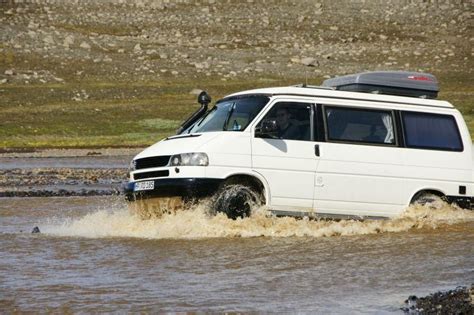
(431, 131)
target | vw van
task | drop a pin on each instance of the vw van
(366, 146)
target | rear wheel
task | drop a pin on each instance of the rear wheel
(237, 200)
(428, 199)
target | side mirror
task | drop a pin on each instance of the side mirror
(267, 129)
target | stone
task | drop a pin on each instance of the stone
(202, 65)
(295, 60)
(137, 48)
(49, 40)
(310, 62)
(195, 91)
(85, 45)
(68, 41)
(9, 72)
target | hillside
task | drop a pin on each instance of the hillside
(119, 73)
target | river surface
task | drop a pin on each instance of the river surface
(93, 255)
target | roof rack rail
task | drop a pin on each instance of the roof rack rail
(304, 85)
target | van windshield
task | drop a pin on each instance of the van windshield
(230, 115)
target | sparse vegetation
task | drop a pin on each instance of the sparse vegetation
(120, 75)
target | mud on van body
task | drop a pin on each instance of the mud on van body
(351, 148)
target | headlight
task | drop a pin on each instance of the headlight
(190, 159)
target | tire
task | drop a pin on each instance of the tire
(236, 201)
(428, 200)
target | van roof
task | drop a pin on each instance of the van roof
(325, 92)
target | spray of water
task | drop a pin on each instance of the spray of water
(196, 222)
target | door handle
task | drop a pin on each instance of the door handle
(316, 149)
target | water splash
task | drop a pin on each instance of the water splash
(197, 223)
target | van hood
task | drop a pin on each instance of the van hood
(178, 144)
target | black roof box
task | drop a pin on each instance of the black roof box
(402, 83)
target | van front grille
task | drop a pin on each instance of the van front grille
(154, 174)
(154, 161)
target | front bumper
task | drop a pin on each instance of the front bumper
(175, 187)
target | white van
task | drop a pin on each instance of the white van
(351, 148)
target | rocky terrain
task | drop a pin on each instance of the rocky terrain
(46, 182)
(72, 72)
(69, 41)
(457, 301)
(47, 173)
(76, 69)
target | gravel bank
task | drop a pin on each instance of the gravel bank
(457, 301)
(74, 180)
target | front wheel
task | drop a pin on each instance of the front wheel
(236, 201)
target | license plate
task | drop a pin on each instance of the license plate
(148, 185)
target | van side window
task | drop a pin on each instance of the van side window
(431, 131)
(360, 125)
(288, 120)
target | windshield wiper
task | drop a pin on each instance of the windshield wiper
(182, 136)
(226, 122)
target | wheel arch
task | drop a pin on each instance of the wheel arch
(257, 182)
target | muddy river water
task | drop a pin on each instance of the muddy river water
(93, 255)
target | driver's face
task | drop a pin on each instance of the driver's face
(282, 117)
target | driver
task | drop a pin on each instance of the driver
(286, 130)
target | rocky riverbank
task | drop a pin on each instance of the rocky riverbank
(457, 301)
(47, 173)
(47, 182)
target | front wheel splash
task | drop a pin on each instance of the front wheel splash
(236, 201)
(155, 208)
